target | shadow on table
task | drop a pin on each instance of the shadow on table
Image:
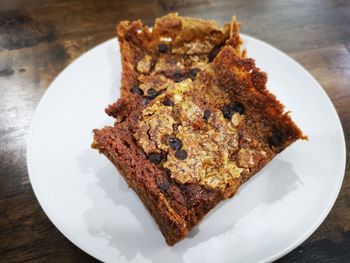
(145, 240)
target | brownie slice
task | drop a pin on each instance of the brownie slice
(198, 141)
(154, 59)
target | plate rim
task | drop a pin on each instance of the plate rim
(283, 252)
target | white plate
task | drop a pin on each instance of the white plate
(88, 201)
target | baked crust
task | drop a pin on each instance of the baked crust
(262, 126)
(156, 58)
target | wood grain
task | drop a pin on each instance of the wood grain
(39, 38)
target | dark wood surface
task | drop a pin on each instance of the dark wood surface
(38, 38)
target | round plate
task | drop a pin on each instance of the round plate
(89, 202)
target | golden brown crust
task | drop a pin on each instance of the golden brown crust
(136, 170)
(187, 46)
(176, 206)
(243, 81)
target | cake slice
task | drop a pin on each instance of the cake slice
(154, 59)
(197, 142)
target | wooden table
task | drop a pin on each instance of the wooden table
(38, 38)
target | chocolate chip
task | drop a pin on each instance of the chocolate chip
(181, 154)
(193, 73)
(152, 93)
(167, 172)
(162, 48)
(136, 90)
(167, 102)
(227, 111)
(146, 100)
(230, 109)
(164, 186)
(175, 143)
(178, 77)
(206, 114)
(238, 107)
(275, 139)
(157, 158)
(213, 53)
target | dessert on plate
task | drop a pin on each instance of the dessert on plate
(174, 49)
(198, 140)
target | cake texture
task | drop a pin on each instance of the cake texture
(174, 49)
(195, 143)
